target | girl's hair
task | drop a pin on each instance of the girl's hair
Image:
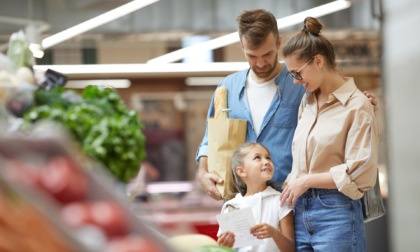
(255, 25)
(237, 161)
(309, 42)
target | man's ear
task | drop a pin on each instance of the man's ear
(279, 42)
(240, 171)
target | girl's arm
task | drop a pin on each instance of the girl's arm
(284, 239)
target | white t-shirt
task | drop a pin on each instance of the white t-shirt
(266, 209)
(260, 97)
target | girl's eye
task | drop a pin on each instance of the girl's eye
(269, 158)
(257, 157)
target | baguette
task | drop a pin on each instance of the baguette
(220, 101)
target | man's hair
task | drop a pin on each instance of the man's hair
(255, 25)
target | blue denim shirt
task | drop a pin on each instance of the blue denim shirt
(279, 123)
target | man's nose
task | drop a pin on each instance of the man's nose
(260, 63)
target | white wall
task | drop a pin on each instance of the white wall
(402, 92)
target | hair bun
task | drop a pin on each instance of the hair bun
(312, 25)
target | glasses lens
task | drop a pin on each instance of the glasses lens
(296, 75)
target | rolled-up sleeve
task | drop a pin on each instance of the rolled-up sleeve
(358, 173)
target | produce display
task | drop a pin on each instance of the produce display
(61, 191)
(100, 121)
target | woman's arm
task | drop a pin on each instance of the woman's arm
(284, 239)
(297, 187)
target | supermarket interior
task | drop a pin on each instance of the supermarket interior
(104, 104)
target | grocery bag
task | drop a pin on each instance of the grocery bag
(224, 136)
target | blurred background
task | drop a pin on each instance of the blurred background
(142, 53)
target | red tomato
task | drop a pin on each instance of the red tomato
(106, 215)
(76, 214)
(110, 217)
(22, 173)
(62, 179)
(133, 244)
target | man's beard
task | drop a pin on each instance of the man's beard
(267, 73)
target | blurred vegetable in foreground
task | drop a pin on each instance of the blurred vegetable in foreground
(100, 121)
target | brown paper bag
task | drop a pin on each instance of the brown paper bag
(224, 136)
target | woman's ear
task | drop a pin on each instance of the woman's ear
(240, 171)
(319, 60)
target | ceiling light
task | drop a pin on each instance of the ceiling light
(95, 22)
(114, 83)
(147, 69)
(234, 37)
(204, 81)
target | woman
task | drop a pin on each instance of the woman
(334, 148)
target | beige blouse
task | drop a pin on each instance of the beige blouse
(341, 137)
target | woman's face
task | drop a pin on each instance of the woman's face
(303, 72)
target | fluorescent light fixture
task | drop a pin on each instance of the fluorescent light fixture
(115, 83)
(147, 69)
(203, 81)
(169, 187)
(95, 22)
(234, 37)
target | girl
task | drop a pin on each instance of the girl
(252, 168)
(334, 148)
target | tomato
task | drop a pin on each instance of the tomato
(134, 244)
(107, 215)
(62, 180)
(110, 217)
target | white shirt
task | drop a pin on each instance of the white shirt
(266, 209)
(260, 97)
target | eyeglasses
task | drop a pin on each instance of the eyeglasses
(296, 74)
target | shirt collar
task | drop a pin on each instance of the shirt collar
(344, 93)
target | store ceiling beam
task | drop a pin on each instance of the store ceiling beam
(95, 22)
(232, 38)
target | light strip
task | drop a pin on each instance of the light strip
(171, 68)
(115, 83)
(95, 22)
(234, 37)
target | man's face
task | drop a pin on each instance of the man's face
(264, 58)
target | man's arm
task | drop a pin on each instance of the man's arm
(207, 180)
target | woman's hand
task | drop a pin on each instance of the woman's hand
(263, 231)
(226, 239)
(293, 190)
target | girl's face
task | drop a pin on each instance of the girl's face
(303, 72)
(258, 165)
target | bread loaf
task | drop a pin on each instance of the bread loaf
(220, 101)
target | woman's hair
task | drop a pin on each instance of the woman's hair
(238, 161)
(255, 25)
(309, 42)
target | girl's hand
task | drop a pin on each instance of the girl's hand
(226, 239)
(292, 191)
(263, 231)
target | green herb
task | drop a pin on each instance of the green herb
(101, 122)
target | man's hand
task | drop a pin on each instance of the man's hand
(207, 180)
(226, 239)
(372, 99)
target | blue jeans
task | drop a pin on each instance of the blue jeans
(327, 220)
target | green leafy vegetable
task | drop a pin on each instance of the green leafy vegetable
(101, 122)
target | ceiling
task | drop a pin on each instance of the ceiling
(165, 20)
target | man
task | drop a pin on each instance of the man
(264, 95)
